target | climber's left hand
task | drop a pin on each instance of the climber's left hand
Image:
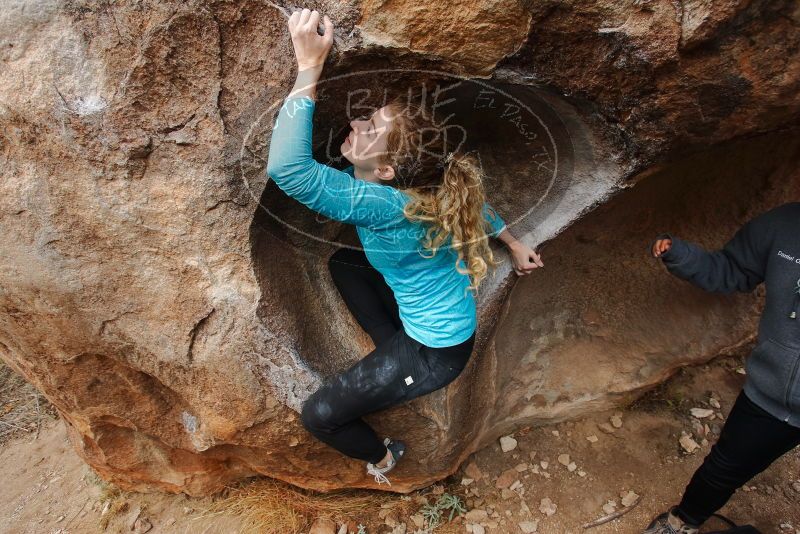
(310, 48)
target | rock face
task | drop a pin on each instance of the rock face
(176, 306)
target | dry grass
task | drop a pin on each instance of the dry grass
(117, 507)
(112, 500)
(268, 506)
(22, 408)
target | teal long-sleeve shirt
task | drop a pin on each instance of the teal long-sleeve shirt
(435, 306)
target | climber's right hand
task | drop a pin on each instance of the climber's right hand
(661, 246)
(310, 48)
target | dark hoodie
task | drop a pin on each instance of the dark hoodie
(766, 249)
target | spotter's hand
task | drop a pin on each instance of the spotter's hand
(310, 48)
(661, 246)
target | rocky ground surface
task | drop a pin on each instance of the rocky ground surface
(551, 479)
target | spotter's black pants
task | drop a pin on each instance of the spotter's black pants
(750, 440)
(398, 370)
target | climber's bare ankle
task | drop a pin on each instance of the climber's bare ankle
(385, 461)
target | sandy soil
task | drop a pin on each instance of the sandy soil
(48, 489)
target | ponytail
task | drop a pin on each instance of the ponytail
(455, 209)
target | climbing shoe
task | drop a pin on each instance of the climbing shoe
(396, 450)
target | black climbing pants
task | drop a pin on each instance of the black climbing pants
(750, 440)
(398, 370)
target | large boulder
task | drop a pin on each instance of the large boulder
(175, 305)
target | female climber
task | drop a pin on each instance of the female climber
(401, 192)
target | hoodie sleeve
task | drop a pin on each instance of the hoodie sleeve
(496, 223)
(739, 266)
(333, 193)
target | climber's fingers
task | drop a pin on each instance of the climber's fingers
(305, 14)
(328, 36)
(536, 259)
(294, 20)
(312, 22)
(661, 246)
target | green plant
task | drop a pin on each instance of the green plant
(433, 512)
(432, 515)
(362, 529)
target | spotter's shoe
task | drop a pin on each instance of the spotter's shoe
(396, 448)
(669, 523)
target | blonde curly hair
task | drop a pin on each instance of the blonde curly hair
(445, 186)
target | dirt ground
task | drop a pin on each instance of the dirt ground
(47, 489)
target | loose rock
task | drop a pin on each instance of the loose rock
(605, 427)
(688, 444)
(547, 507)
(616, 420)
(323, 525)
(133, 516)
(477, 515)
(571, 467)
(473, 472)
(629, 498)
(506, 478)
(418, 520)
(508, 443)
(142, 525)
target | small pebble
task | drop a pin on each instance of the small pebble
(700, 413)
(616, 420)
(605, 427)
